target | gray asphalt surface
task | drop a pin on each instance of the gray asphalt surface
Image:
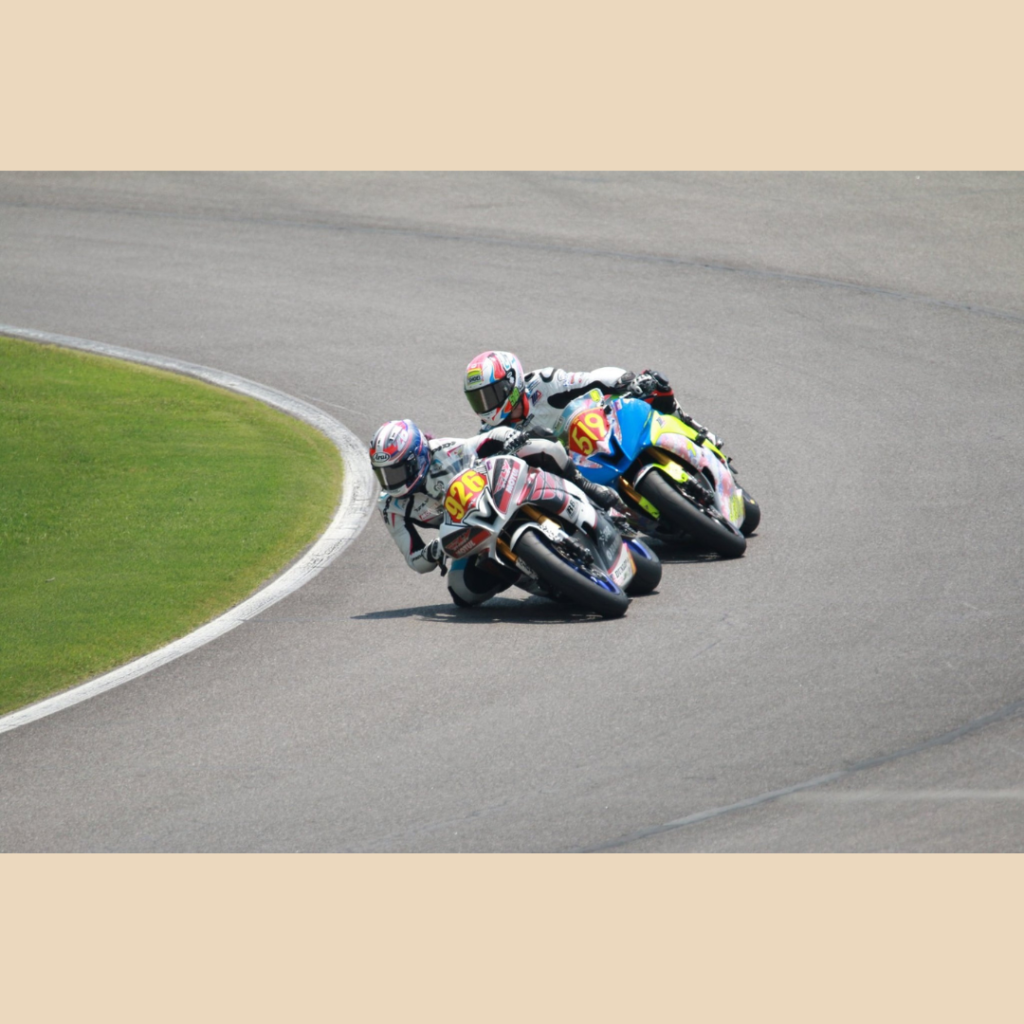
(853, 683)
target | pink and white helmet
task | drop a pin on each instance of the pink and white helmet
(400, 456)
(494, 385)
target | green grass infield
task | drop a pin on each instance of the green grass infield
(136, 505)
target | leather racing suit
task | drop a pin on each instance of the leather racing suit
(550, 390)
(471, 580)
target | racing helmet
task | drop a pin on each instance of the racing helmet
(400, 456)
(495, 384)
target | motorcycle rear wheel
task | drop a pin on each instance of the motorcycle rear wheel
(564, 578)
(711, 533)
(752, 515)
(648, 571)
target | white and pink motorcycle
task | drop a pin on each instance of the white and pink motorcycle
(544, 528)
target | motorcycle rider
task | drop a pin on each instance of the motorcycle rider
(499, 392)
(414, 470)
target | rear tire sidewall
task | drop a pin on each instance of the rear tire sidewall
(534, 549)
(648, 569)
(680, 511)
(751, 515)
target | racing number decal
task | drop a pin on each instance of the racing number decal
(462, 492)
(587, 429)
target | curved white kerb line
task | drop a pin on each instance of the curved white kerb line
(357, 498)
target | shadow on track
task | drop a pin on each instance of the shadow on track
(534, 611)
(682, 552)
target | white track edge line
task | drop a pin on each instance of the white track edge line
(357, 499)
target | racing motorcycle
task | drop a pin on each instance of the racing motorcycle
(544, 529)
(669, 474)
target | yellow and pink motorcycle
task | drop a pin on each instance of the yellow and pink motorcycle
(671, 476)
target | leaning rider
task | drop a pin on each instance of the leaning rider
(499, 392)
(414, 470)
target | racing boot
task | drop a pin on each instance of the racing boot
(603, 497)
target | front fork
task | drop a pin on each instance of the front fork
(547, 527)
(505, 549)
(554, 532)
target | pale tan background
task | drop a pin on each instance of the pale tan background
(399, 85)
(493, 938)
(511, 938)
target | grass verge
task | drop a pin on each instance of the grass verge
(136, 505)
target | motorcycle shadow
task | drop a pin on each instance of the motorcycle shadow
(676, 552)
(529, 610)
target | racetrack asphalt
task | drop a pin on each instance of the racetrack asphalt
(852, 683)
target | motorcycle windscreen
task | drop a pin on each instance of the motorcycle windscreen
(634, 418)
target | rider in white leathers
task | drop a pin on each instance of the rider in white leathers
(415, 470)
(500, 392)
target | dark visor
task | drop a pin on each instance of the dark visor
(490, 396)
(391, 477)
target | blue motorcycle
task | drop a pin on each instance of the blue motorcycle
(670, 475)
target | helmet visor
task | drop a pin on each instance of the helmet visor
(393, 477)
(490, 396)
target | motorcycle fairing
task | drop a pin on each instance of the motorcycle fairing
(632, 439)
(607, 451)
(506, 478)
(463, 494)
(464, 542)
(671, 434)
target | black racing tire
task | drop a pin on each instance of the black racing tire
(752, 515)
(663, 494)
(561, 577)
(648, 572)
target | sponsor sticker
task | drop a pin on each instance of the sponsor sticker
(465, 541)
(623, 570)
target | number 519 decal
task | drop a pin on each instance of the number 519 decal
(587, 430)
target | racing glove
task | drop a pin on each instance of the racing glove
(515, 442)
(435, 553)
(653, 387)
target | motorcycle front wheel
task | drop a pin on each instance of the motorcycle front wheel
(570, 578)
(679, 510)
